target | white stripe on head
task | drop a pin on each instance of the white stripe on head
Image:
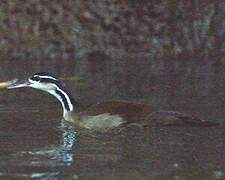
(48, 77)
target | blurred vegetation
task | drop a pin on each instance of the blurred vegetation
(57, 29)
(168, 53)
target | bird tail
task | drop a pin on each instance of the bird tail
(205, 124)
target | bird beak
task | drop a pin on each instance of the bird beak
(7, 83)
(17, 84)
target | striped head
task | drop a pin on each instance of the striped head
(48, 83)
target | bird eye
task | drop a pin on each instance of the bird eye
(35, 78)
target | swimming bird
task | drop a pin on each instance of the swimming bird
(107, 115)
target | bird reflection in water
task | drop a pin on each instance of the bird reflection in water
(55, 155)
(63, 152)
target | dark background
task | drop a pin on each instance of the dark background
(167, 53)
(170, 54)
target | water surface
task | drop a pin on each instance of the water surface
(36, 143)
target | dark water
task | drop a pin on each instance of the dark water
(36, 144)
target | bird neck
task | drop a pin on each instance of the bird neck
(65, 99)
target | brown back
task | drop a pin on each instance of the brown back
(130, 111)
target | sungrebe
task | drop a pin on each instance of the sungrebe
(106, 115)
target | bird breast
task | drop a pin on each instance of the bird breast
(103, 122)
(100, 122)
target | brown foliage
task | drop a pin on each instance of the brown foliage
(118, 28)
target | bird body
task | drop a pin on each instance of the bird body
(106, 115)
(100, 122)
